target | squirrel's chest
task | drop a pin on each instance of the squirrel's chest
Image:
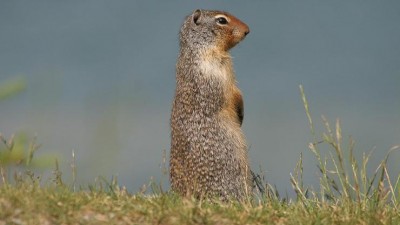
(220, 79)
(217, 71)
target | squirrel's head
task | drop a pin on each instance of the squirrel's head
(206, 28)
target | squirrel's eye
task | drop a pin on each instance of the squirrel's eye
(222, 20)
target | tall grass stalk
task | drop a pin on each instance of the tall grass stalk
(346, 182)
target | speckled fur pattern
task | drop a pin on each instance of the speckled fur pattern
(208, 149)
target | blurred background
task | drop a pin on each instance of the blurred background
(98, 77)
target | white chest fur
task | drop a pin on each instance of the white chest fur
(217, 67)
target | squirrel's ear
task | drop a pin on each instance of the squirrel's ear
(196, 16)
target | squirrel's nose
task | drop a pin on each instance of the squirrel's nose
(246, 32)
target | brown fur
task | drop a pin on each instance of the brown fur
(208, 148)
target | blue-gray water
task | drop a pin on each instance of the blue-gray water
(100, 79)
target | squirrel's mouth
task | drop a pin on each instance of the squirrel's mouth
(233, 42)
(239, 36)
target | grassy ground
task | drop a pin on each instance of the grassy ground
(33, 205)
(347, 193)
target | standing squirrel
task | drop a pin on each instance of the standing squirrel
(208, 149)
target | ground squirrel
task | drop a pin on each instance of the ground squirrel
(208, 149)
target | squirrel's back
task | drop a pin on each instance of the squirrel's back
(208, 149)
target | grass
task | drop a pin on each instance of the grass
(347, 194)
(12, 87)
(35, 205)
